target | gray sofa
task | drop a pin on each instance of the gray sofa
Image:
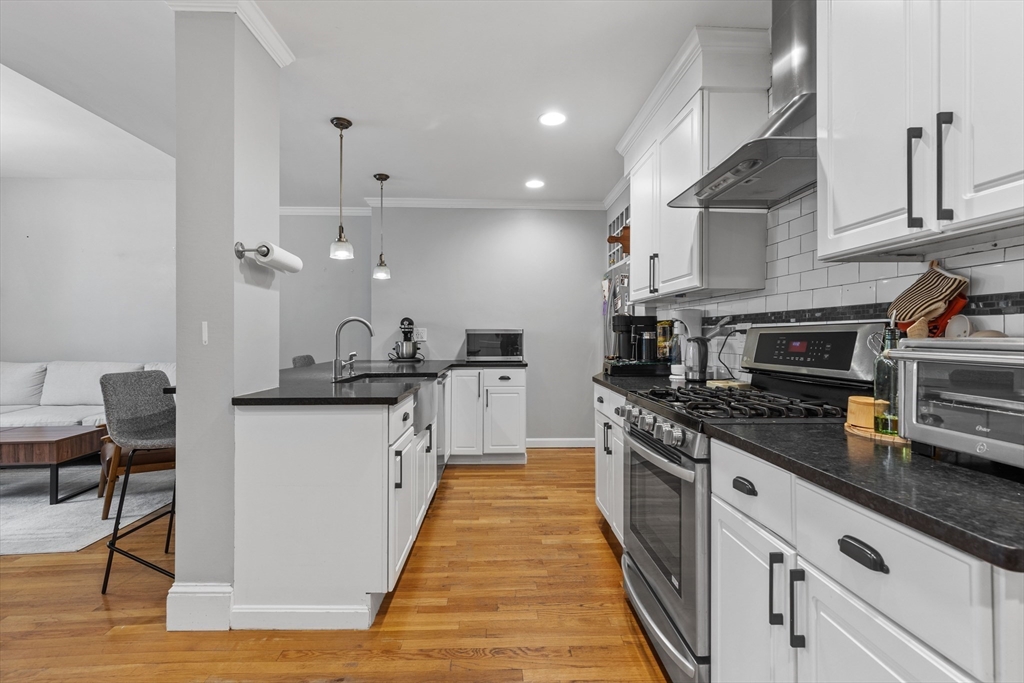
(59, 393)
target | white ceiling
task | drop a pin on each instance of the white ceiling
(43, 135)
(444, 96)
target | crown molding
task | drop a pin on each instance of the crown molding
(251, 15)
(424, 203)
(614, 193)
(701, 39)
(324, 211)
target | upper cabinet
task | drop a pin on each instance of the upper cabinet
(919, 137)
(712, 97)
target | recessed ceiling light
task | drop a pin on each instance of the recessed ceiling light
(552, 118)
(534, 184)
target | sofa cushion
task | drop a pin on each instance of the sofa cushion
(95, 420)
(47, 416)
(167, 368)
(77, 383)
(21, 383)
(11, 409)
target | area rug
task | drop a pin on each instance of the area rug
(29, 524)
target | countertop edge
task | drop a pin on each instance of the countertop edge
(600, 380)
(1005, 557)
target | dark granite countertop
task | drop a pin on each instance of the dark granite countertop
(977, 512)
(312, 385)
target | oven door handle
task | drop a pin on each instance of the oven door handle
(660, 462)
(973, 358)
(678, 658)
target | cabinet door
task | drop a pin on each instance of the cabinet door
(401, 518)
(466, 415)
(678, 264)
(616, 465)
(846, 640)
(505, 420)
(982, 85)
(421, 482)
(642, 225)
(869, 94)
(433, 453)
(602, 470)
(749, 568)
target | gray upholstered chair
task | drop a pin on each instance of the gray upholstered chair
(303, 361)
(140, 417)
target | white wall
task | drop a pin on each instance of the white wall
(326, 291)
(454, 269)
(87, 270)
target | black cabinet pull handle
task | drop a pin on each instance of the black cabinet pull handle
(744, 485)
(405, 417)
(607, 428)
(506, 378)
(650, 274)
(912, 220)
(943, 118)
(863, 553)
(600, 399)
(430, 433)
(398, 484)
(794, 640)
(774, 618)
(654, 288)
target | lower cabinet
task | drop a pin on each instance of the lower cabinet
(609, 462)
(488, 412)
(413, 482)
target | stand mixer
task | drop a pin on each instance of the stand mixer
(407, 350)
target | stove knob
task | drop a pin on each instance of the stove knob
(647, 423)
(673, 436)
(659, 430)
(629, 414)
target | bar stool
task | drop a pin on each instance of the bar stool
(140, 417)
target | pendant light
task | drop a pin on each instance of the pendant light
(381, 270)
(341, 248)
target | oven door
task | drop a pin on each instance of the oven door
(667, 507)
(964, 406)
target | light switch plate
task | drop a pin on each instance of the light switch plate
(419, 334)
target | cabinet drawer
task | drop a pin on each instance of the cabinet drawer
(733, 472)
(400, 418)
(606, 401)
(936, 592)
(504, 378)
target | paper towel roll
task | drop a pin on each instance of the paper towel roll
(277, 258)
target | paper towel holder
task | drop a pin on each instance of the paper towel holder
(241, 251)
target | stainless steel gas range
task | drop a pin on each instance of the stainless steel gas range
(801, 374)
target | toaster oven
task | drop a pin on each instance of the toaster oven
(965, 395)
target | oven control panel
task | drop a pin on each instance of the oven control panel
(840, 350)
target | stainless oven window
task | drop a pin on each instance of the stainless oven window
(984, 401)
(655, 516)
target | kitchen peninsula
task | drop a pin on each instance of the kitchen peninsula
(360, 459)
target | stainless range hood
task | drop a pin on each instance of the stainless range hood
(782, 156)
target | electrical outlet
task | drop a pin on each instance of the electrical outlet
(419, 334)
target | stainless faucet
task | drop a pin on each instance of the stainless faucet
(339, 364)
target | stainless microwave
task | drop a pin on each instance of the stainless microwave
(964, 395)
(494, 346)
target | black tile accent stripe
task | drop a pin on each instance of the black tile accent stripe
(1006, 303)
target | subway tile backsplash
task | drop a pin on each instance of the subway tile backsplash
(798, 285)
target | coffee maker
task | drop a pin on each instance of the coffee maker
(635, 351)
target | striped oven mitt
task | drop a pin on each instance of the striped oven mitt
(929, 296)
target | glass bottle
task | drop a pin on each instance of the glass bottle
(887, 385)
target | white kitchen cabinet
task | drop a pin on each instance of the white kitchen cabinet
(616, 493)
(643, 210)
(466, 417)
(846, 640)
(602, 465)
(432, 455)
(609, 458)
(678, 242)
(421, 481)
(981, 83)
(880, 133)
(504, 419)
(402, 499)
(750, 615)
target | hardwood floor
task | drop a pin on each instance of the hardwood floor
(511, 579)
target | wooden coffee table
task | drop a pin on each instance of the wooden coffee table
(50, 447)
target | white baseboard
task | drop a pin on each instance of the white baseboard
(489, 459)
(199, 607)
(560, 443)
(301, 617)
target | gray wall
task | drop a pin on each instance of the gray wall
(86, 270)
(326, 291)
(538, 270)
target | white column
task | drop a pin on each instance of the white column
(228, 169)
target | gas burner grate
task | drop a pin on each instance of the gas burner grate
(736, 403)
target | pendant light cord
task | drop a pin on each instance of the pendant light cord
(341, 169)
(382, 219)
